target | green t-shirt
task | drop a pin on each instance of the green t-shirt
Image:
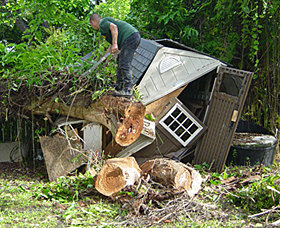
(124, 29)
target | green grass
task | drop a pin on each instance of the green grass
(41, 204)
(74, 202)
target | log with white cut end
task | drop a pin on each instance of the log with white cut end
(172, 173)
(116, 174)
(125, 126)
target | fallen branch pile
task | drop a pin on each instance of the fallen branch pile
(162, 184)
(70, 94)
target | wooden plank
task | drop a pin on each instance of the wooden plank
(112, 149)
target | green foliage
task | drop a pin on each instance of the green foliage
(257, 196)
(173, 18)
(242, 33)
(113, 8)
(136, 93)
(46, 58)
(32, 63)
(150, 117)
(254, 196)
(203, 166)
(65, 189)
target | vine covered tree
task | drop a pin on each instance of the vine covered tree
(242, 33)
(42, 40)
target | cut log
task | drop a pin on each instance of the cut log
(174, 174)
(123, 117)
(116, 174)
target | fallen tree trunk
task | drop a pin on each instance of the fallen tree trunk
(123, 117)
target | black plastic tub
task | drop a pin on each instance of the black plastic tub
(251, 156)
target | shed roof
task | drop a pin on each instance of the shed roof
(171, 69)
(143, 57)
(174, 44)
(147, 50)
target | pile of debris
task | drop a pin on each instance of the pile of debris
(136, 187)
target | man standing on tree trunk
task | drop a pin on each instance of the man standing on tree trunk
(124, 37)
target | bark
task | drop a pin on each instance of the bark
(112, 149)
(123, 117)
(173, 174)
(119, 173)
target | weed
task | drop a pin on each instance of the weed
(136, 93)
(256, 195)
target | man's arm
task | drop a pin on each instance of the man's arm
(114, 32)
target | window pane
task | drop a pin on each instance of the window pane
(231, 84)
(185, 136)
(168, 120)
(193, 129)
(179, 131)
(174, 126)
(181, 118)
(187, 123)
(176, 112)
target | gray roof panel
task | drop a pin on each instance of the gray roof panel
(143, 57)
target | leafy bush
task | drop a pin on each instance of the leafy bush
(257, 196)
(251, 196)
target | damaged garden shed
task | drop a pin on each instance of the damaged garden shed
(196, 101)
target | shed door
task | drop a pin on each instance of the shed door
(222, 117)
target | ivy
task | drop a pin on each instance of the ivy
(243, 33)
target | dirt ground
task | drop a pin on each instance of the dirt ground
(28, 172)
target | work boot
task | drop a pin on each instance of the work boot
(117, 86)
(127, 93)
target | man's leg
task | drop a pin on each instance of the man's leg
(124, 63)
(119, 80)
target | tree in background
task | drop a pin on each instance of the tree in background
(244, 33)
(41, 43)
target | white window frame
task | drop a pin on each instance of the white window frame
(188, 116)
